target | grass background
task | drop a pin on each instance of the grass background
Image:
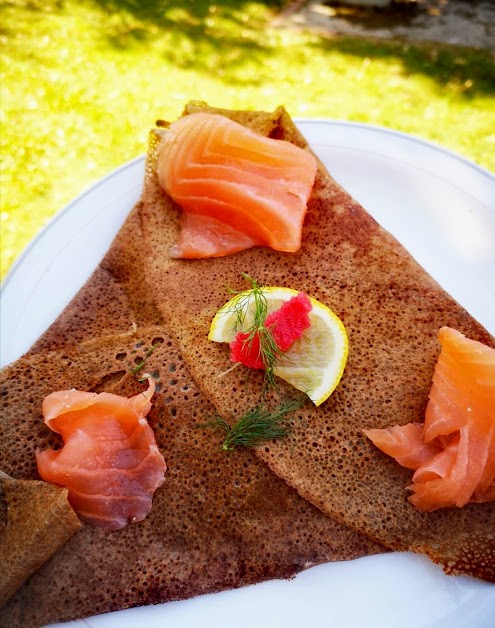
(83, 81)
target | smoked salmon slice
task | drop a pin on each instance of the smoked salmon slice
(205, 236)
(453, 452)
(248, 189)
(110, 462)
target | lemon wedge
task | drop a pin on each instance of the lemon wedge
(315, 362)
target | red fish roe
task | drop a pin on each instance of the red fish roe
(247, 352)
(287, 324)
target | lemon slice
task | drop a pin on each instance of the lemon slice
(315, 362)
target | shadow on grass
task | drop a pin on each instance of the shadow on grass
(220, 37)
(223, 38)
(470, 71)
(229, 38)
(223, 34)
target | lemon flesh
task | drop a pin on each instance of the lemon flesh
(315, 362)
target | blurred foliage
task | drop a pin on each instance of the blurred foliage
(82, 82)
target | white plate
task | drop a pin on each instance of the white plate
(442, 208)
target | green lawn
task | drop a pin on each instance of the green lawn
(82, 81)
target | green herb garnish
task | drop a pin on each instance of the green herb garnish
(269, 352)
(135, 370)
(256, 426)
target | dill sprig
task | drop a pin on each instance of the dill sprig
(269, 352)
(256, 426)
(135, 370)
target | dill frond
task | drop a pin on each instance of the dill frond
(269, 352)
(135, 370)
(256, 426)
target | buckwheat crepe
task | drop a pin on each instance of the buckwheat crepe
(392, 310)
(35, 521)
(221, 520)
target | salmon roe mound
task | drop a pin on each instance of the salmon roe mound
(287, 324)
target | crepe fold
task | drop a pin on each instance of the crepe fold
(35, 521)
(220, 521)
(392, 310)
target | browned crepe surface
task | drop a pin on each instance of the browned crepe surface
(35, 521)
(220, 521)
(116, 298)
(392, 310)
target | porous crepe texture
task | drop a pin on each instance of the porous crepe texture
(35, 521)
(221, 520)
(116, 298)
(392, 310)
(257, 527)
